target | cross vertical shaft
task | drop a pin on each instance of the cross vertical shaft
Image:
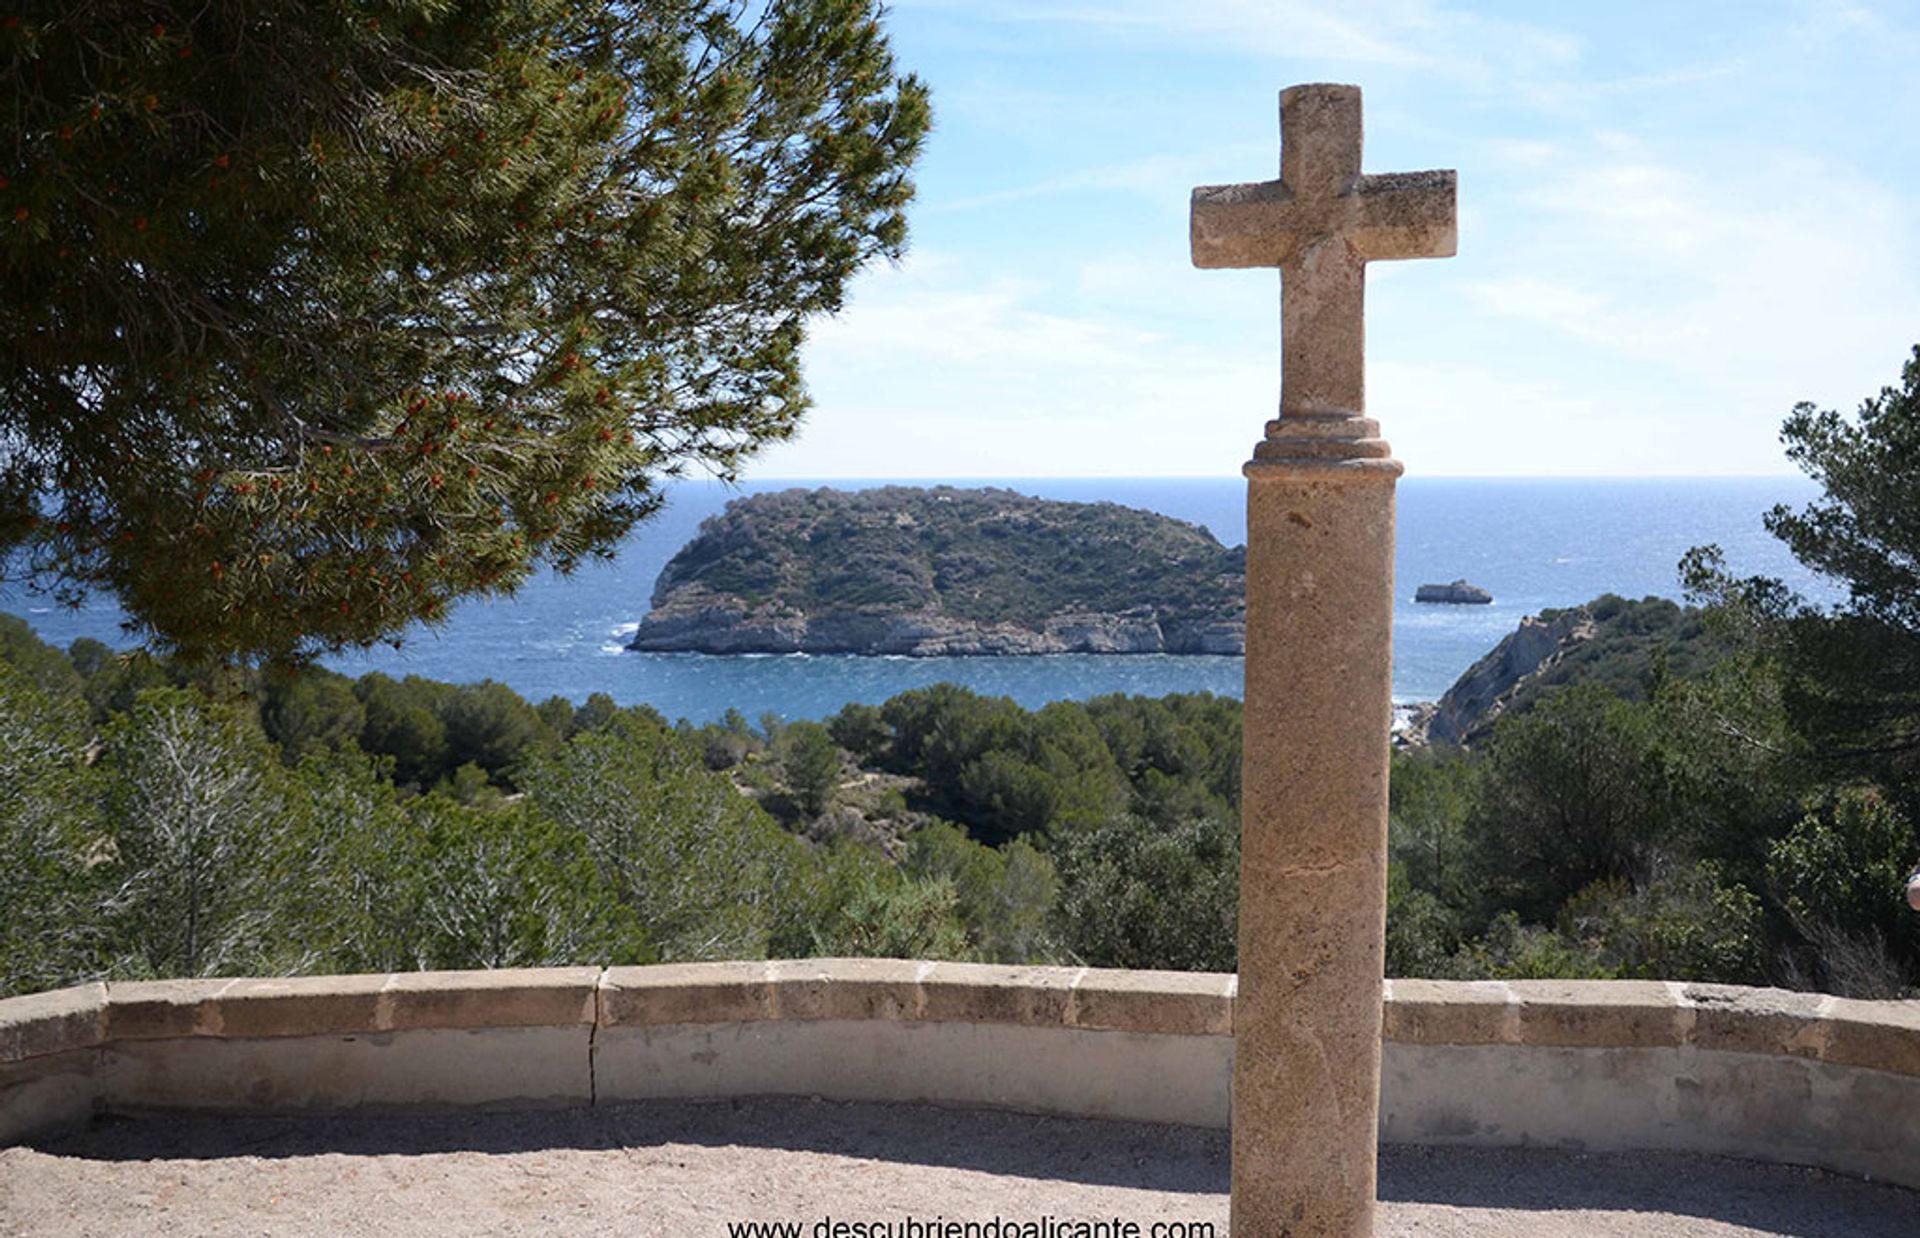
(1323, 284)
(1323, 331)
(1320, 515)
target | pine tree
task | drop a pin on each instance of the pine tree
(323, 315)
(1849, 673)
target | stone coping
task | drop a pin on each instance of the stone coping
(1882, 1035)
(1548, 1013)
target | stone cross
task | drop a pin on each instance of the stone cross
(1321, 223)
(1313, 832)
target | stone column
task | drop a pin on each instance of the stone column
(1306, 1026)
(1313, 833)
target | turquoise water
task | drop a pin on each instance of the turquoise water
(1534, 543)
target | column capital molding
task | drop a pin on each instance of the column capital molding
(1323, 469)
(1325, 445)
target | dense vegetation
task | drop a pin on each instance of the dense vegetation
(1635, 646)
(1747, 809)
(165, 822)
(322, 315)
(985, 555)
(1622, 645)
(162, 821)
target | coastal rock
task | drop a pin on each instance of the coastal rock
(946, 572)
(1459, 593)
(710, 624)
(1410, 723)
(1624, 645)
(1479, 696)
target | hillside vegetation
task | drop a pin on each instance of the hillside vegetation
(160, 822)
(1635, 644)
(1626, 646)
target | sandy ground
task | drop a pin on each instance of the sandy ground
(687, 1170)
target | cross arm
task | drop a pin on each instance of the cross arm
(1264, 224)
(1252, 225)
(1405, 215)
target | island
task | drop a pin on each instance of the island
(944, 571)
(1459, 593)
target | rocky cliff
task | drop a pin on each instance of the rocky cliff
(946, 571)
(1613, 642)
(1491, 684)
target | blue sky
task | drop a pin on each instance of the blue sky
(1676, 220)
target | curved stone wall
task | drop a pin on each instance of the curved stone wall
(1761, 1073)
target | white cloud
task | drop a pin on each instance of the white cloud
(1490, 416)
(1750, 288)
(941, 369)
(1531, 297)
(1523, 152)
(938, 370)
(1158, 178)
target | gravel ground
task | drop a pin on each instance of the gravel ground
(686, 1170)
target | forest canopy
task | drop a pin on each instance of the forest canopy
(161, 819)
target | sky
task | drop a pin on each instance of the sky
(1676, 222)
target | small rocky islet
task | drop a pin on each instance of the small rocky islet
(1455, 593)
(946, 571)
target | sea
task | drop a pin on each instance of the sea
(1534, 543)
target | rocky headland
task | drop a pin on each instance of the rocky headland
(944, 571)
(1495, 681)
(1610, 640)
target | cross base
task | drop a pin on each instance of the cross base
(1321, 443)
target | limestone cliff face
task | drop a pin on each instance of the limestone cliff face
(946, 572)
(696, 621)
(1483, 693)
(1615, 643)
